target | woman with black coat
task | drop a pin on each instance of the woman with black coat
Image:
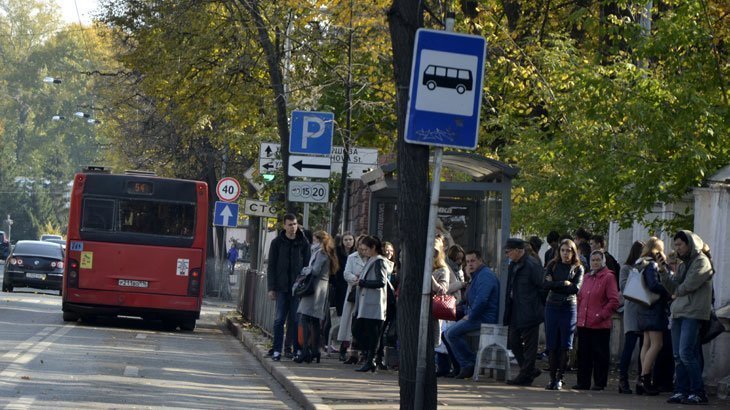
(563, 278)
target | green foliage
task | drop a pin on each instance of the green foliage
(39, 155)
(605, 139)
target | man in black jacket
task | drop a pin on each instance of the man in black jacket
(524, 309)
(288, 254)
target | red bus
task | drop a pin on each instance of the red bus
(136, 246)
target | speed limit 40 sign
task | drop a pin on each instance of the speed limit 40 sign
(309, 191)
(228, 189)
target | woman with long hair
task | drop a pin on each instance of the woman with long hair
(391, 286)
(439, 280)
(312, 307)
(354, 266)
(652, 320)
(371, 301)
(631, 326)
(563, 279)
(597, 300)
(345, 248)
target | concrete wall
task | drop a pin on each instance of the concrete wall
(712, 219)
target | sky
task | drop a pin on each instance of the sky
(69, 7)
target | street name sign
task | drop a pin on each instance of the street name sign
(354, 171)
(228, 189)
(311, 132)
(309, 167)
(309, 191)
(226, 214)
(253, 207)
(446, 89)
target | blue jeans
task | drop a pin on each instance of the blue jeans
(685, 347)
(286, 311)
(560, 324)
(630, 339)
(455, 337)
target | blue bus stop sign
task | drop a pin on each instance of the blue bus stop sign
(446, 89)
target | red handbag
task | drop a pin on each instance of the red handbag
(443, 307)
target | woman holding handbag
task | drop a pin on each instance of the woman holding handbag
(372, 301)
(440, 283)
(630, 321)
(312, 307)
(652, 320)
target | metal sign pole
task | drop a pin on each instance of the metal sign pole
(428, 266)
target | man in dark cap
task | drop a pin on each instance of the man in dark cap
(524, 309)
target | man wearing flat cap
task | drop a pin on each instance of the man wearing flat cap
(524, 309)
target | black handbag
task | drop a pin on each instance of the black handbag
(710, 329)
(305, 285)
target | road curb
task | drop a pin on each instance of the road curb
(298, 389)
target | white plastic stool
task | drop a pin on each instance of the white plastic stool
(492, 353)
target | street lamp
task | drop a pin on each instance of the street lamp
(82, 114)
(58, 118)
(52, 80)
(93, 121)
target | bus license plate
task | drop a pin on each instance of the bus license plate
(41, 276)
(133, 283)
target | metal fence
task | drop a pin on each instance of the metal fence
(254, 303)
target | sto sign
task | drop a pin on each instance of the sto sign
(259, 208)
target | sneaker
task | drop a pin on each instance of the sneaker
(276, 357)
(695, 399)
(676, 398)
(289, 355)
(270, 352)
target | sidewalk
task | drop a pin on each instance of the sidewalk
(333, 385)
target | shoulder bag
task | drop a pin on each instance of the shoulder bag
(443, 307)
(636, 290)
(305, 285)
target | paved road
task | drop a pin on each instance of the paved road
(123, 363)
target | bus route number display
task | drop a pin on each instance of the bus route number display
(228, 189)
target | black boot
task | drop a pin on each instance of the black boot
(379, 363)
(369, 365)
(553, 358)
(623, 384)
(645, 386)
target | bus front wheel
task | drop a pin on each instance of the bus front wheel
(187, 325)
(431, 85)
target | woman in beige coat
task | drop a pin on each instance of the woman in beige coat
(353, 268)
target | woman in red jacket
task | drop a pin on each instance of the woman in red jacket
(597, 300)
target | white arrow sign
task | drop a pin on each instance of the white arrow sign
(269, 150)
(311, 167)
(226, 214)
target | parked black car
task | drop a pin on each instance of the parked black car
(4, 246)
(34, 264)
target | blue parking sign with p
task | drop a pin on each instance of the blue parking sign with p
(311, 132)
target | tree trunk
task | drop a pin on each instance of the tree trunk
(276, 77)
(404, 18)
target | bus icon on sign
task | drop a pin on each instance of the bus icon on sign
(447, 77)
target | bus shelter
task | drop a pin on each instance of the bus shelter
(474, 207)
